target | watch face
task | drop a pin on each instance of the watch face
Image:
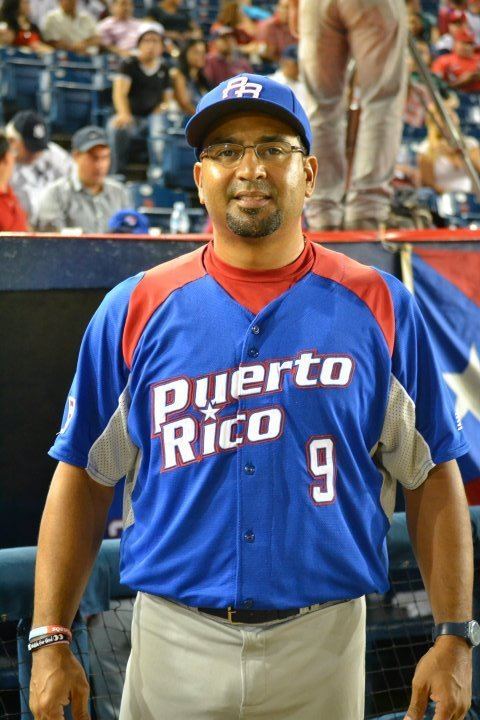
(474, 632)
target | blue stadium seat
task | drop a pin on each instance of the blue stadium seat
(150, 195)
(168, 150)
(79, 96)
(21, 77)
(459, 209)
(156, 202)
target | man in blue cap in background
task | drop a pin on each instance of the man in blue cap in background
(262, 396)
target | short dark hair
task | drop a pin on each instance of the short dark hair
(4, 145)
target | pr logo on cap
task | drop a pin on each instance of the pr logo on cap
(240, 86)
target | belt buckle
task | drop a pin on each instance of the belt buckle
(230, 612)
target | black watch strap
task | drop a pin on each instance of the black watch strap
(460, 629)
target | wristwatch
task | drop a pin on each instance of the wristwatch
(469, 630)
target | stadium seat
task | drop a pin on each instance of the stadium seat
(177, 163)
(169, 150)
(150, 195)
(79, 97)
(21, 77)
(458, 209)
(156, 202)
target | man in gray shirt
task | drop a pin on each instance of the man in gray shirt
(38, 162)
(87, 198)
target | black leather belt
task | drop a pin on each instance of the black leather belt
(250, 616)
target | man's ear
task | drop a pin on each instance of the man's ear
(197, 176)
(311, 170)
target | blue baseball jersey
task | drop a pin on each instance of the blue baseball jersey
(261, 452)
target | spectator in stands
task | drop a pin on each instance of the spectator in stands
(273, 35)
(87, 198)
(68, 28)
(456, 20)
(189, 81)
(451, 6)
(473, 18)
(19, 30)
(224, 60)
(238, 16)
(39, 9)
(38, 161)
(119, 32)
(175, 19)
(139, 89)
(12, 216)
(441, 166)
(460, 68)
(288, 72)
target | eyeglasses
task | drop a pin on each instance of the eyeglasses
(271, 153)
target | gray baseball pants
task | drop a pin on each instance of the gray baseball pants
(187, 665)
(374, 33)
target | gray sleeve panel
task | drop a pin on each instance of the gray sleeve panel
(113, 454)
(402, 453)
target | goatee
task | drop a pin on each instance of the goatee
(250, 225)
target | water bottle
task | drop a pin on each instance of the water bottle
(179, 220)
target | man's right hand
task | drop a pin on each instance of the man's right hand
(57, 680)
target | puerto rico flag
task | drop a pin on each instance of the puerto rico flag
(446, 284)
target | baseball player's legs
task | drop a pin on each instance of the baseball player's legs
(314, 667)
(377, 36)
(323, 54)
(186, 665)
(182, 666)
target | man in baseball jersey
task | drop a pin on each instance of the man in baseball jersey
(262, 395)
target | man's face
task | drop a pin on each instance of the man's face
(93, 165)
(225, 45)
(254, 198)
(17, 146)
(122, 9)
(150, 47)
(68, 6)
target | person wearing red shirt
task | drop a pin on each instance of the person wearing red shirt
(12, 216)
(460, 68)
(273, 34)
(224, 61)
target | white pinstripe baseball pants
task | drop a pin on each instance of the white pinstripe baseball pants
(186, 665)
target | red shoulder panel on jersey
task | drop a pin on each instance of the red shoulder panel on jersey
(362, 280)
(152, 290)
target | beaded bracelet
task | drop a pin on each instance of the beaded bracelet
(49, 630)
(57, 638)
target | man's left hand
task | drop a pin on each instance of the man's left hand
(444, 675)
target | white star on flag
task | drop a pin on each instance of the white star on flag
(210, 412)
(466, 386)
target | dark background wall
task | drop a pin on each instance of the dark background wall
(49, 288)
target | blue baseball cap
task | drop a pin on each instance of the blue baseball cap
(129, 221)
(245, 92)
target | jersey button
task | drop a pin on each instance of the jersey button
(248, 603)
(253, 352)
(249, 536)
(249, 468)
(255, 330)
